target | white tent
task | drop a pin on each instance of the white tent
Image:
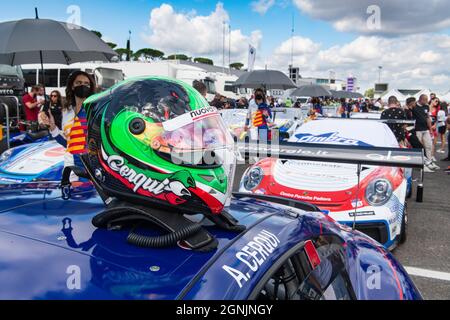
(445, 97)
(428, 92)
(394, 92)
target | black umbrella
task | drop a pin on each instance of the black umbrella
(341, 94)
(311, 90)
(356, 95)
(268, 79)
(47, 41)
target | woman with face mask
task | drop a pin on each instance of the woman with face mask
(73, 135)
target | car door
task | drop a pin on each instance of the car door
(313, 270)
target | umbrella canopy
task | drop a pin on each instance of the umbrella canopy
(341, 94)
(311, 90)
(47, 41)
(356, 95)
(268, 79)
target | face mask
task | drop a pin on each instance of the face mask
(82, 92)
(259, 97)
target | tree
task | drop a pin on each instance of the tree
(178, 57)
(204, 60)
(97, 33)
(370, 93)
(122, 52)
(112, 45)
(237, 65)
(148, 54)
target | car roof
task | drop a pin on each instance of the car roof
(353, 131)
(44, 239)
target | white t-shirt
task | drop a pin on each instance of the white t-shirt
(441, 117)
(252, 108)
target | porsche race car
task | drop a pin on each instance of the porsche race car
(373, 200)
(32, 163)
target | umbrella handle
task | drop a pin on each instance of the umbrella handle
(43, 76)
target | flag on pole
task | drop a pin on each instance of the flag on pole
(129, 47)
(251, 57)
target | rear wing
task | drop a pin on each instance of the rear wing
(360, 156)
(373, 156)
(386, 121)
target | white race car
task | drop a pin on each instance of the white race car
(378, 202)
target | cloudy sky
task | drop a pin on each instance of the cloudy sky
(409, 38)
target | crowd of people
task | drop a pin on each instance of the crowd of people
(36, 103)
(432, 123)
(431, 131)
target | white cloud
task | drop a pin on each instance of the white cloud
(262, 6)
(301, 46)
(430, 57)
(415, 61)
(196, 35)
(441, 79)
(399, 17)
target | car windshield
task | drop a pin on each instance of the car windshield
(211, 86)
(287, 114)
(110, 77)
(6, 70)
(234, 117)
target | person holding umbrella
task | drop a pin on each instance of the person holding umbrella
(262, 118)
(73, 137)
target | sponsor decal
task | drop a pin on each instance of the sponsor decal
(189, 118)
(362, 214)
(304, 197)
(175, 188)
(273, 150)
(202, 113)
(252, 256)
(6, 92)
(55, 152)
(388, 157)
(329, 138)
(8, 180)
(357, 203)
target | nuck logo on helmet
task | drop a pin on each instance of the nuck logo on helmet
(329, 138)
(200, 113)
(140, 181)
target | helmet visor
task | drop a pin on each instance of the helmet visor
(197, 138)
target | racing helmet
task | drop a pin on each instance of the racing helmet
(156, 141)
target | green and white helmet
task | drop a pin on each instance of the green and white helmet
(156, 141)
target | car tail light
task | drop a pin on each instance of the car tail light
(312, 254)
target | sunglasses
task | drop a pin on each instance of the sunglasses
(54, 96)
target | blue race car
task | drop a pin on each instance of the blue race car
(32, 162)
(54, 252)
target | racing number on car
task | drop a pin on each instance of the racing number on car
(252, 256)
